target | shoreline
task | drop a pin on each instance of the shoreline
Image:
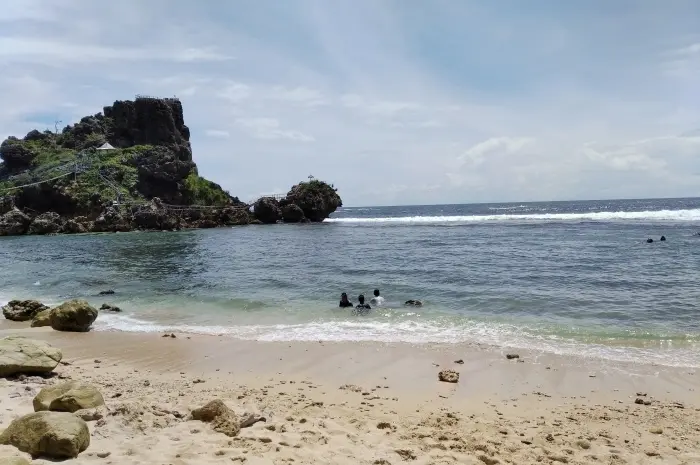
(414, 366)
(372, 403)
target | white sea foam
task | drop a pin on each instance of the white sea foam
(414, 332)
(653, 216)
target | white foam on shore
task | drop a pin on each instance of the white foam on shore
(413, 332)
(660, 215)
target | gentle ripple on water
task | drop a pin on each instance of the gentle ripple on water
(557, 282)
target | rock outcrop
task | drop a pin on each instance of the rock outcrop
(19, 355)
(74, 315)
(150, 161)
(267, 210)
(53, 435)
(292, 213)
(70, 397)
(316, 199)
(46, 223)
(22, 310)
(14, 223)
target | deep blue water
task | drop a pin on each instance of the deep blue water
(564, 277)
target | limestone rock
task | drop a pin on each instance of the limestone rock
(316, 199)
(54, 435)
(73, 226)
(22, 310)
(267, 210)
(74, 315)
(292, 213)
(111, 220)
(22, 355)
(14, 223)
(70, 396)
(222, 418)
(41, 319)
(16, 154)
(46, 223)
(448, 376)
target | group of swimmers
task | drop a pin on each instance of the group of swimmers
(377, 301)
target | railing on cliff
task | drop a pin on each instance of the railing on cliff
(150, 97)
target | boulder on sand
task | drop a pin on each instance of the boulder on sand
(26, 356)
(54, 435)
(70, 397)
(74, 315)
(222, 418)
(22, 310)
(43, 318)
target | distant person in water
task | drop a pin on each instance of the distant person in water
(413, 303)
(663, 238)
(377, 300)
(362, 305)
(344, 302)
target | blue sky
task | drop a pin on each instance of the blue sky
(394, 101)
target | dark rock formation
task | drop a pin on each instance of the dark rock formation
(267, 210)
(22, 310)
(14, 223)
(315, 198)
(292, 213)
(15, 154)
(111, 221)
(154, 216)
(58, 183)
(46, 223)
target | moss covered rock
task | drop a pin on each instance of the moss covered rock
(70, 397)
(19, 355)
(53, 435)
(74, 315)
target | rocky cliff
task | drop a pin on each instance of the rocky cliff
(144, 179)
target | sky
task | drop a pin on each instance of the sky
(393, 101)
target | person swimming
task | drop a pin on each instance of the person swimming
(362, 306)
(413, 303)
(344, 302)
(377, 300)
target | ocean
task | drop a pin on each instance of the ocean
(573, 278)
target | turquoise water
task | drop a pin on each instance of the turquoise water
(566, 277)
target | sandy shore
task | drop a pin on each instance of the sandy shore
(367, 403)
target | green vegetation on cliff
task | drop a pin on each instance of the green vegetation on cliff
(151, 158)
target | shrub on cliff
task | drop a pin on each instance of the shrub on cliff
(316, 199)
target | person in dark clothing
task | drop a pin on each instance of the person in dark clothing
(344, 302)
(362, 305)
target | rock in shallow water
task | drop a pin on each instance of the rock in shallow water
(22, 355)
(54, 435)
